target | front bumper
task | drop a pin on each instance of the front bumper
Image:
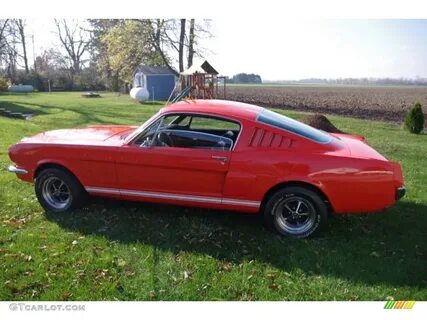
(16, 170)
(400, 192)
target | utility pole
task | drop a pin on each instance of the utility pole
(34, 55)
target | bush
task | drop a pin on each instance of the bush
(414, 121)
(3, 84)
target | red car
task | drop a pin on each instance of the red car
(213, 154)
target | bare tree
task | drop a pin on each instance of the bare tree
(4, 24)
(181, 46)
(191, 44)
(169, 37)
(158, 30)
(75, 42)
(8, 51)
(20, 25)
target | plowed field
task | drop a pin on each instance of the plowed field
(379, 103)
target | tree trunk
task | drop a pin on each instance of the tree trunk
(21, 28)
(115, 82)
(181, 46)
(191, 44)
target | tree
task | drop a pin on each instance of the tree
(170, 39)
(191, 44)
(74, 40)
(127, 46)
(3, 37)
(181, 46)
(169, 42)
(53, 67)
(20, 25)
(98, 50)
(247, 78)
(8, 52)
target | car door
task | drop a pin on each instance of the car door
(179, 157)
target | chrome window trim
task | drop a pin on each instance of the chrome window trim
(164, 114)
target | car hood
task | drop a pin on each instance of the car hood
(357, 147)
(92, 135)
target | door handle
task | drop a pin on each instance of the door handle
(220, 158)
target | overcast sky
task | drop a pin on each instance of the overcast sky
(294, 49)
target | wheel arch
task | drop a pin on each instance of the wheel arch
(296, 183)
(51, 164)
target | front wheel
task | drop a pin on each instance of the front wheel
(295, 212)
(58, 190)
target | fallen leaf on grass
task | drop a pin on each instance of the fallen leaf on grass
(65, 296)
(120, 262)
(225, 266)
(129, 272)
(274, 286)
(270, 276)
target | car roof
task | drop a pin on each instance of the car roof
(224, 108)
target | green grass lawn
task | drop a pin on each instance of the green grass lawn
(137, 251)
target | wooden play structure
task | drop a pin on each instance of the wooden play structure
(200, 81)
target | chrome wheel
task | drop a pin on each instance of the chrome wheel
(294, 214)
(56, 193)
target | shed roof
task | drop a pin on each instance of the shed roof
(154, 70)
(202, 67)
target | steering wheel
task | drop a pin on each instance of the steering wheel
(164, 139)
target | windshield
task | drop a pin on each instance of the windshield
(277, 120)
(141, 128)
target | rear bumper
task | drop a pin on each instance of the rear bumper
(400, 192)
(16, 170)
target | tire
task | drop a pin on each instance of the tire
(280, 212)
(59, 191)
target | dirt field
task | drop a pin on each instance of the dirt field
(379, 103)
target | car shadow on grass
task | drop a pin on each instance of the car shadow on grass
(384, 248)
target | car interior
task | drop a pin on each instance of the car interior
(191, 131)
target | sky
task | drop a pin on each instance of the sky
(287, 49)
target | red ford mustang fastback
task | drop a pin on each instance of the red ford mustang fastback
(214, 154)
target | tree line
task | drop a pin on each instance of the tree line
(99, 54)
(417, 81)
(244, 78)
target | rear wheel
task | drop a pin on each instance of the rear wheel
(58, 190)
(295, 212)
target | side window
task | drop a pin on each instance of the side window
(176, 121)
(194, 140)
(190, 131)
(208, 123)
